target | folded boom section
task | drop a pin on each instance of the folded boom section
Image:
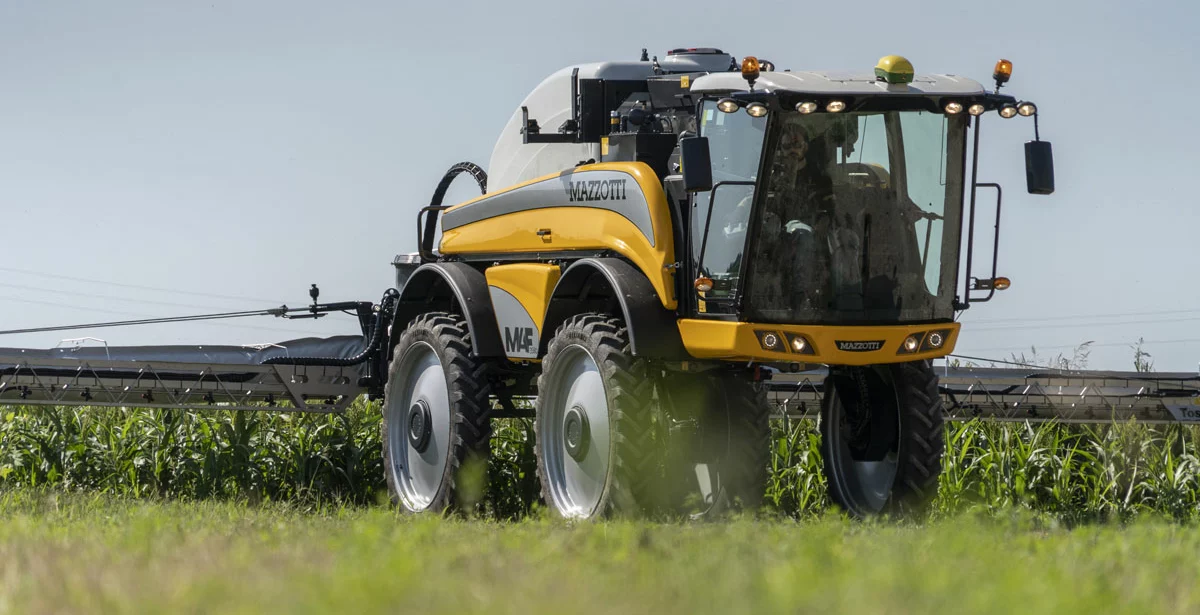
(199, 377)
(1026, 394)
(259, 378)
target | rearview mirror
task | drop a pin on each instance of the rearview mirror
(697, 166)
(1039, 167)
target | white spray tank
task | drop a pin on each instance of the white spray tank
(551, 105)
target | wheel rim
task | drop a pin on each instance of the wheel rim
(418, 418)
(866, 484)
(711, 498)
(575, 436)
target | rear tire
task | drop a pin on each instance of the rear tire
(435, 416)
(882, 438)
(594, 421)
(721, 463)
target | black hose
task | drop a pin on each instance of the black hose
(425, 234)
(470, 168)
(386, 306)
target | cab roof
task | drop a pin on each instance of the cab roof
(849, 83)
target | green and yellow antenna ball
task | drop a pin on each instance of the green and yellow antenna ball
(894, 69)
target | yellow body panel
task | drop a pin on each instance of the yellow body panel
(736, 341)
(530, 283)
(573, 227)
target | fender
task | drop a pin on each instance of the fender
(450, 286)
(593, 284)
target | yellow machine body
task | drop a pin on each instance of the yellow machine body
(617, 206)
(741, 341)
(520, 295)
(621, 207)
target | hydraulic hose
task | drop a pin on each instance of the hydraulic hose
(386, 306)
(470, 168)
(426, 231)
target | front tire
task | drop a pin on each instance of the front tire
(435, 416)
(882, 438)
(593, 421)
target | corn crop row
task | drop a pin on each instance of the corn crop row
(1073, 473)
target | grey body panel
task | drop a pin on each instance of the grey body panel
(615, 191)
(516, 325)
(697, 63)
(405, 265)
(839, 83)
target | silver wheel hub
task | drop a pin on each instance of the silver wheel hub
(418, 427)
(574, 441)
(575, 432)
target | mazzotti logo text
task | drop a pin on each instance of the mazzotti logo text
(597, 190)
(859, 346)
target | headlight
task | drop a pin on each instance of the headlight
(806, 107)
(756, 109)
(835, 106)
(1008, 110)
(953, 108)
(770, 340)
(935, 340)
(728, 105)
(1026, 109)
(800, 344)
(976, 109)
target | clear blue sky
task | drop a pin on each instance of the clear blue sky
(248, 149)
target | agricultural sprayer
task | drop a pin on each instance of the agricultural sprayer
(664, 255)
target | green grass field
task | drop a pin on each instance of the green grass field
(95, 553)
(105, 510)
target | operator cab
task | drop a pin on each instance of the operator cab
(834, 199)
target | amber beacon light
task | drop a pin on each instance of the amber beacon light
(1002, 73)
(750, 69)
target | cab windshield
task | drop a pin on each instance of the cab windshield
(858, 221)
